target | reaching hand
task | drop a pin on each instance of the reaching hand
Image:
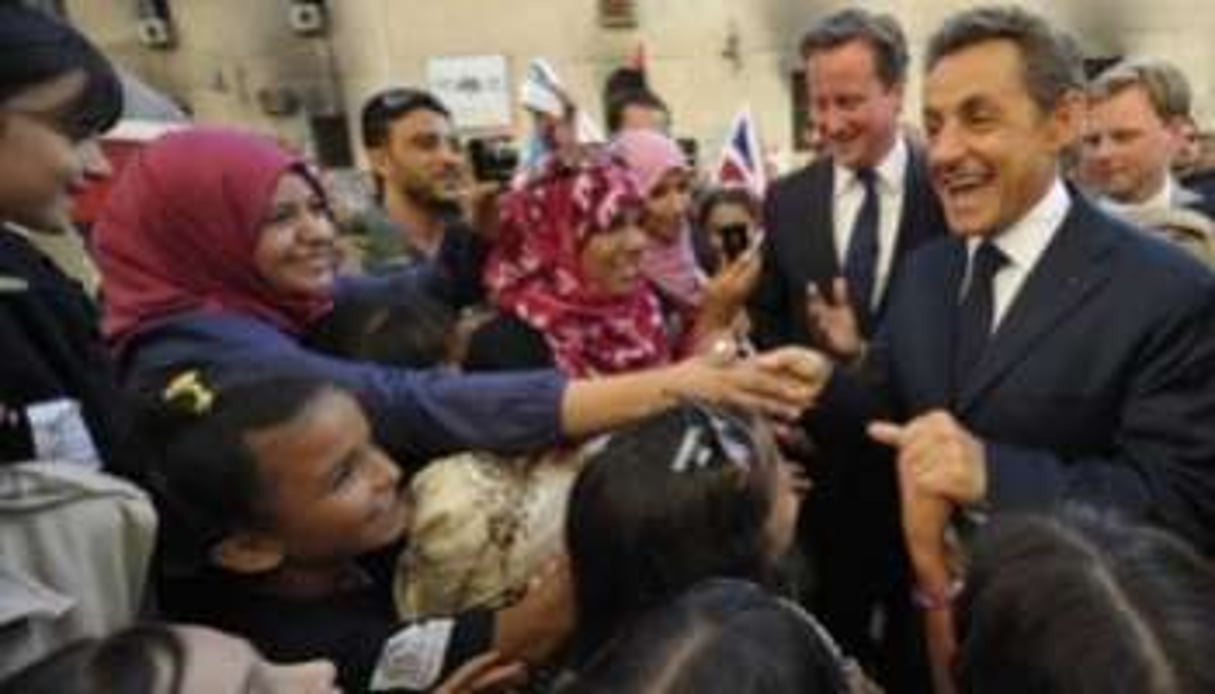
(781, 383)
(832, 317)
(479, 201)
(727, 291)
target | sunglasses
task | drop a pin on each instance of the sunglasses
(714, 434)
(398, 99)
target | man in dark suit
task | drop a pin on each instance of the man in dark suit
(841, 224)
(1045, 351)
(1137, 126)
(836, 233)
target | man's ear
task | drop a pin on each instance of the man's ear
(378, 158)
(1068, 119)
(248, 553)
(1180, 130)
(899, 90)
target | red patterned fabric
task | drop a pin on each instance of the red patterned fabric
(534, 271)
(670, 265)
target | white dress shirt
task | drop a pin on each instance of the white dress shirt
(1022, 244)
(849, 194)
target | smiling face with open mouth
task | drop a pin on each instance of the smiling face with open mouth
(332, 492)
(993, 151)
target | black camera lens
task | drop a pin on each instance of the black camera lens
(493, 161)
(734, 239)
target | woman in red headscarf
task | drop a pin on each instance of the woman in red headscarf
(573, 277)
(217, 251)
(566, 277)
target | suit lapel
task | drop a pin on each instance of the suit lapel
(1068, 272)
(938, 321)
(916, 193)
(918, 218)
(819, 212)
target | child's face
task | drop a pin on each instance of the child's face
(333, 493)
(667, 205)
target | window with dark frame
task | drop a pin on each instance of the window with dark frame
(618, 14)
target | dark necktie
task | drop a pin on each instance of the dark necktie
(976, 310)
(860, 262)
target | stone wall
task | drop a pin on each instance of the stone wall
(229, 51)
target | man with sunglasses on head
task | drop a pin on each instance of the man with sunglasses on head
(58, 397)
(425, 191)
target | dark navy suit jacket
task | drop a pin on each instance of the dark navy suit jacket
(1098, 384)
(799, 246)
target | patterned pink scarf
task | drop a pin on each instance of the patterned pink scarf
(534, 272)
(670, 265)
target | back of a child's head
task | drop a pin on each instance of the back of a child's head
(721, 636)
(205, 475)
(414, 333)
(680, 497)
(1083, 602)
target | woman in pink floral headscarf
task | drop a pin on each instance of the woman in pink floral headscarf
(708, 307)
(664, 181)
(566, 276)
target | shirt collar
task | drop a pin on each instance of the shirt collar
(1161, 199)
(890, 172)
(1167, 193)
(1025, 240)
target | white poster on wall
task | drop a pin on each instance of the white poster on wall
(475, 88)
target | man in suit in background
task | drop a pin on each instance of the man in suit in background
(841, 224)
(1045, 351)
(1138, 121)
(836, 233)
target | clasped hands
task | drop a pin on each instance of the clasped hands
(941, 466)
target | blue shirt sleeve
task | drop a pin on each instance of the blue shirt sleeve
(415, 414)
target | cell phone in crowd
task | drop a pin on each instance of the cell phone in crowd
(493, 160)
(735, 240)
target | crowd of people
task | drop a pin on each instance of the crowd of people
(936, 412)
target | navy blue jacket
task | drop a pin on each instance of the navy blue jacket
(1098, 385)
(799, 244)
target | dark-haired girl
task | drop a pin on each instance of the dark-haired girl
(690, 494)
(721, 636)
(272, 490)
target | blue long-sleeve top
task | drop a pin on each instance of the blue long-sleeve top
(415, 415)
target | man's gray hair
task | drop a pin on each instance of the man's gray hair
(1051, 59)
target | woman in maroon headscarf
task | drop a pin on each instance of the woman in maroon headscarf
(565, 275)
(584, 281)
(216, 251)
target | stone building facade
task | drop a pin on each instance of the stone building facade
(239, 61)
